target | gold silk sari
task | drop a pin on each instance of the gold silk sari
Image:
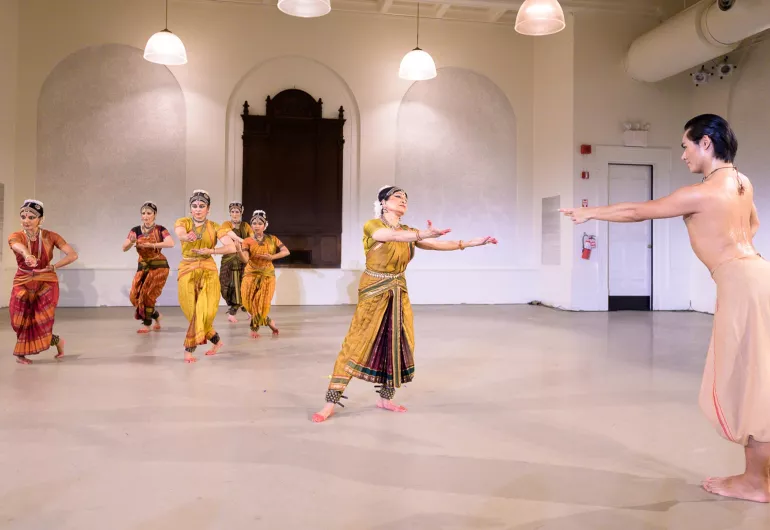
(380, 343)
(198, 282)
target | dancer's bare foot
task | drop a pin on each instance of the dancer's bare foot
(323, 414)
(143, 330)
(389, 405)
(189, 358)
(255, 334)
(22, 360)
(744, 487)
(215, 348)
(156, 326)
(59, 349)
(272, 326)
(232, 319)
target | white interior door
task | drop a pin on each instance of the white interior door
(630, 244)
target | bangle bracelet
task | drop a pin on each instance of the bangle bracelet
(419, 238)
(460, 245)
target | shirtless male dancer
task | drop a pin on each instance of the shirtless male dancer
(722, 220)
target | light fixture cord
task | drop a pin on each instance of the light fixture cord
(166, 14)
(418, 24)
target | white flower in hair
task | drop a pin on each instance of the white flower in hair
(195, 192)
(377, 209)
(34, 201)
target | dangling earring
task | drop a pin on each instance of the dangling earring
(384, 210)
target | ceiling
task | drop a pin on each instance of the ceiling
(488, 11)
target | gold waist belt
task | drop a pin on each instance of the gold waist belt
(383, 274)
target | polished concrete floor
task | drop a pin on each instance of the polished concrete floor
(520, 418)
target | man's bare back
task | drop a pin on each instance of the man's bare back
(725, 222)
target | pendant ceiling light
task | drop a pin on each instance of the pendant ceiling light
(417, 65)
(540, 17)
(305, 8)
(165, 48)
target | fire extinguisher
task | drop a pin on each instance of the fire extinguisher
(589, 243)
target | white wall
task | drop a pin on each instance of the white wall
(230, 47)
(605, 97)
(743, 100)
(9, 35)
(554, 78)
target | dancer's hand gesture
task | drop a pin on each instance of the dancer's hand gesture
(30, 261)
(191, 236)
(132, 237)
(578, 215)
(204, 251)
(481, 241)
(432, 232)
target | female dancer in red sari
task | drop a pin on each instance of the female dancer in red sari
(35, 291)
(152, 271)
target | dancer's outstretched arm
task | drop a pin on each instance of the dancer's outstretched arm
(457, 245)
(683, 201)
(383, 235)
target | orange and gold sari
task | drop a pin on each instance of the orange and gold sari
(259, 279)
(380, 343)
(35, 295)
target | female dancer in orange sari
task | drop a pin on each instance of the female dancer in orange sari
(379, 346)
(152, 271)
(258, 253)
(198, 281)
(35, 291)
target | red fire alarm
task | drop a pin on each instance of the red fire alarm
(584, 175)
(585, 149)
(585, 203)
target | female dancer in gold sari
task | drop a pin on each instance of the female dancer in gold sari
(198, 280)
(379, 346)
(231, 268)
(152, 271)
(258, 253)
(35, 292)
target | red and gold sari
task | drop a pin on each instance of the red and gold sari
(35, 294)
(151, 273)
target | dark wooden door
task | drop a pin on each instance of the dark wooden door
(292, 169)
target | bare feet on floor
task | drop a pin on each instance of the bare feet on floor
(744, 487)
(389, 405)
(232, 319)
(59, 349)
(22, 360)
(275, 329)
(189, 358)
(143, 330)
(254, 334)
(156, 327)
(215, 348)
(323, 414)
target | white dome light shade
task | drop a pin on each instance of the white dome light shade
(417, 65)
(305, 8)
(165, 48)
(540, 17)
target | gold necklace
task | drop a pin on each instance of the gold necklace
(198, 235)
(31, 239)
(382, 218)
